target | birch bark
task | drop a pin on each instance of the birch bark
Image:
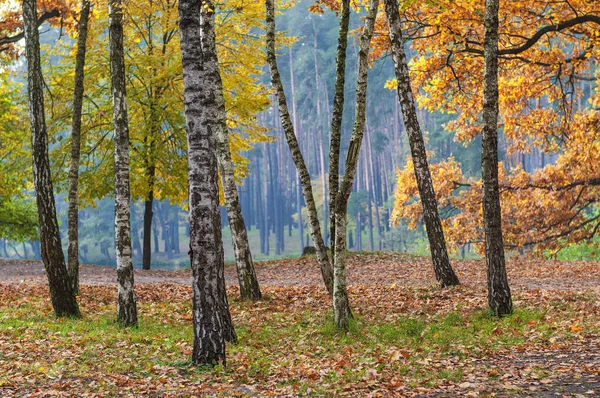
(288, 129)
(127, 307)
(499, 296)
(441, 263)
(341, 307)
(211, 318)
(62, 296)
(73, 212)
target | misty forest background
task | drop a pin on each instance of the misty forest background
(270, 193)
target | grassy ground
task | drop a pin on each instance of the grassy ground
(405, 340)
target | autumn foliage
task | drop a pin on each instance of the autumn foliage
(548, 103)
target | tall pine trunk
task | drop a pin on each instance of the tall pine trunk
(341, 307)
(62, 295)
(249, 288)
(336, 119)
(499, 297)
(210, 310)
(73, 213)
(288, 129)
(439, 254)
(127, 307)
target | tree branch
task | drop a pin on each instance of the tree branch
(43, 18)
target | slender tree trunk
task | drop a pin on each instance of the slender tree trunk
(336, 119)
(59, 282)
(249, 288)
(127, 307)
(499, 297)
(441, 263)
(73, 213)
(206, 246)
(341, 307)
(148, 214)
(288, 128)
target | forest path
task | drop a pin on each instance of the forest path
(370, 268)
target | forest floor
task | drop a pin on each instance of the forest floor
(409, 338)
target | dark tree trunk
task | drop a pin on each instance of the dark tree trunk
(499, 297)
(441, 263)
(62, 295)
(73, 214)
(212, 322)
(127, 307)
(336, 119)
(288, 128)
(148, 219)
(148, 214)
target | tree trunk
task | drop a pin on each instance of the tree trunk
(62, 295)
(148, 214)
(499, 297)
(288, 128)
(336, 119)
(441, 263)
(341, 307)
(73, 213)
(249, 288)
(206, 246)
(127, 308)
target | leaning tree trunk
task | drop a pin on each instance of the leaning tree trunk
(288, 129)
(73, 217)
(62, 295)
(499, 297)
(127, 307)
(341, 308)
(206, 246)
(439, 254)
(249, 288)
(336, 119)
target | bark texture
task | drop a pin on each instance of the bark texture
(336, 119)
(341, 307)
(288, 128)
(127, 307)
(206, 246)
(499, 297)
(63, 298)
(249, 287)
(73, 214)
(444, 273)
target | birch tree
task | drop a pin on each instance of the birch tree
(62, 295)
(499, 297)
(73, 215)
(127, 307)
(341, 308)
(290, 136)
(211, 316)
(439, 254)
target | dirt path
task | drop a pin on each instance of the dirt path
(364, 269)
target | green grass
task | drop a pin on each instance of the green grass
(298, 347)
